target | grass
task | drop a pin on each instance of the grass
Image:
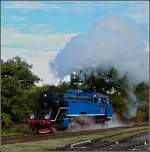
(45, 145)
(16, 129)
(122, 136)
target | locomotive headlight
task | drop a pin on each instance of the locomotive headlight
(32, 116)
(46, 116)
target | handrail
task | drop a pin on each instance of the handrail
(58, 112)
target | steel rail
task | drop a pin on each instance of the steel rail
(35, 137)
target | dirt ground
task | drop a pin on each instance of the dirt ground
(136, 143)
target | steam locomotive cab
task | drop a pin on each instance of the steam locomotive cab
(57, 110)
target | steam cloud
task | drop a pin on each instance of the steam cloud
(112, 42)
(88, 123)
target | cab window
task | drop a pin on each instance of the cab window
(99, 100)
(95, 99)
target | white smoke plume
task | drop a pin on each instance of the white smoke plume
(113, 41)
(132, 106)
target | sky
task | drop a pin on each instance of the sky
(38, 30)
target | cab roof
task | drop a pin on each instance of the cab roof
(83, 93)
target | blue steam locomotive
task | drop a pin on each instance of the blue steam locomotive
(58, 110)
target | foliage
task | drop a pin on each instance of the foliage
(17, 128)
(63, 86)
(16, 80)
(33, 96)
(142, 93)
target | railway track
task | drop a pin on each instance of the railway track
(34, 137)
(138, 141)
(107, 146)
(126, 143)
(129, 144)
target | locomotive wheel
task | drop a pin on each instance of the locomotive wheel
(53, 130)
(86, 121)
(37, 131)
(81, 123)
(108, 123)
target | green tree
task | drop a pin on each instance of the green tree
(142, 94)
(16, 80)
(63, 86)
(34, 95)
(74, 83)
(75, 80)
